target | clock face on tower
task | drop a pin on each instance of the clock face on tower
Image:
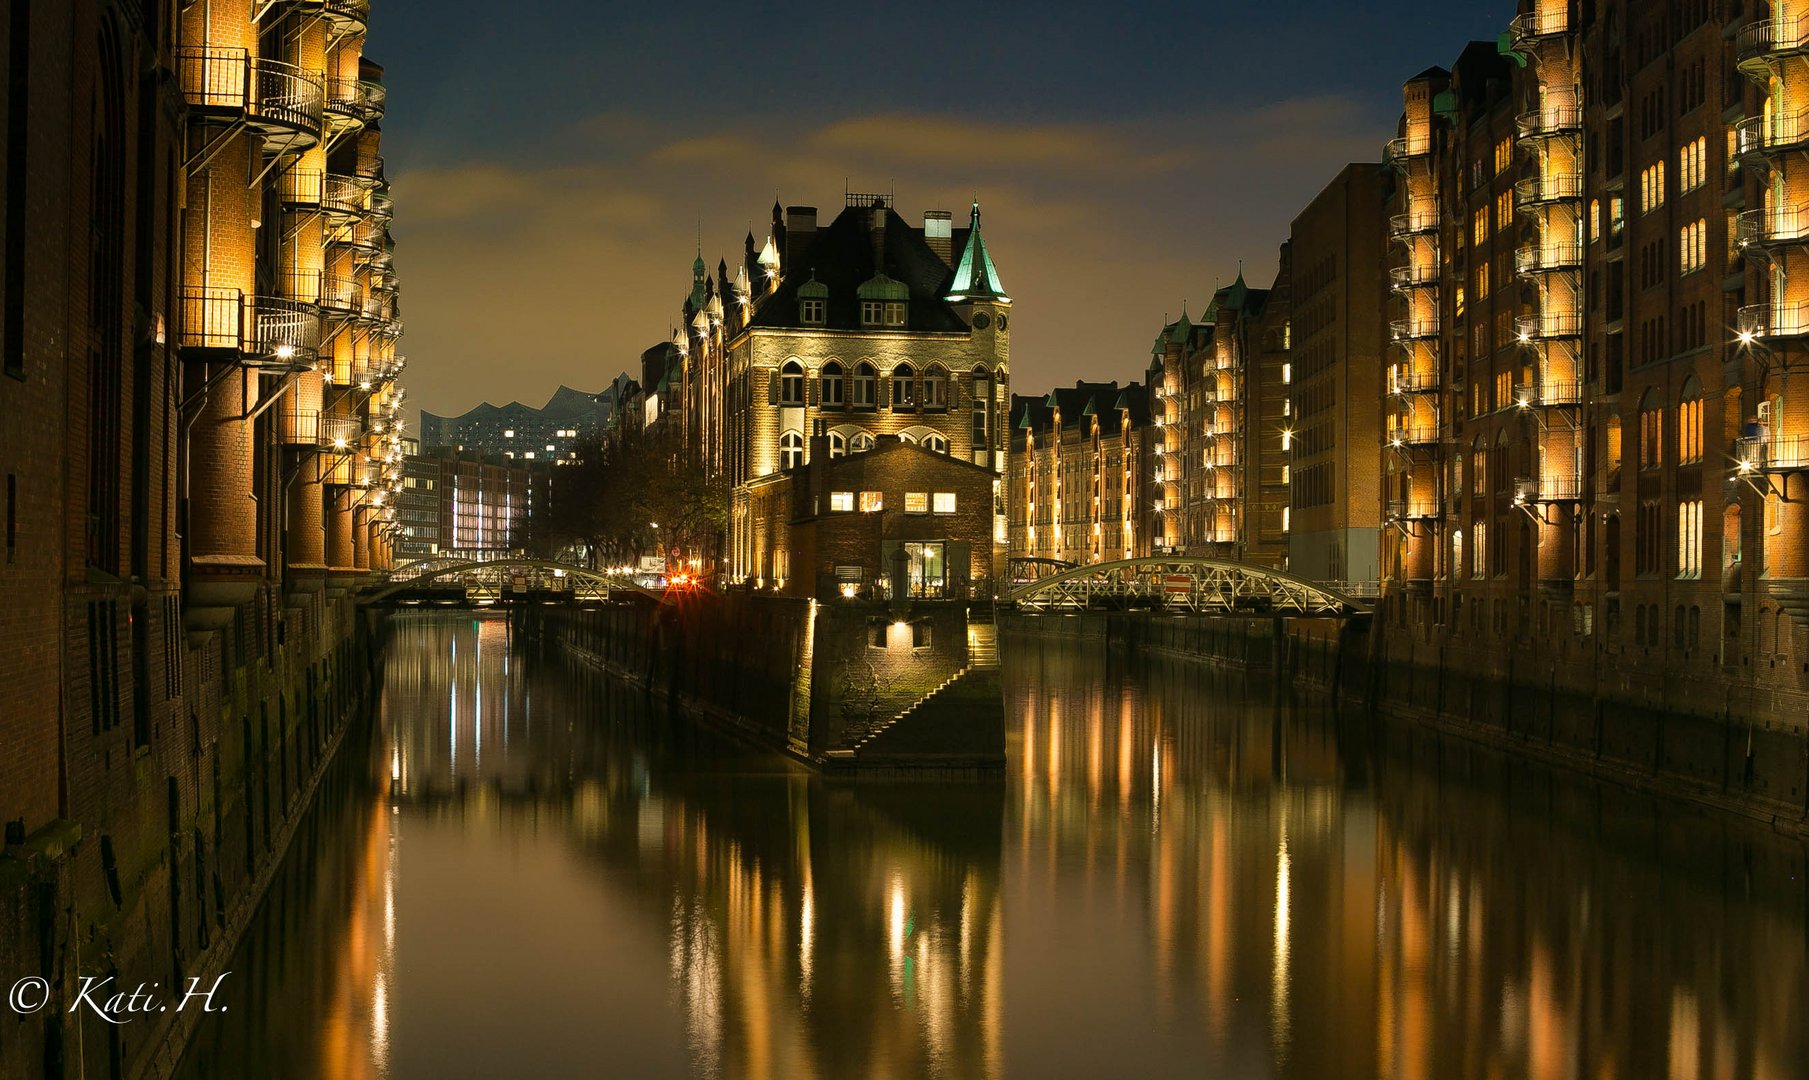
(981, 320)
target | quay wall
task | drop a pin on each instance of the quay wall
(808, 679)
(1729, 742)
(173, 828)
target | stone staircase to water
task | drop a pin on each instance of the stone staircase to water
(982, 663)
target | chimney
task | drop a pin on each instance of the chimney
(876, 231)
(800, 230)
(939, 233)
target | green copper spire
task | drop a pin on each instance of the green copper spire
(975, 275)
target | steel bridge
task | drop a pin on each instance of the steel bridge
(1177, 583)
(479, 583)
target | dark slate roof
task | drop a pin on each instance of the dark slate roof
(565, 402)
(840, 256)
(1105, 400)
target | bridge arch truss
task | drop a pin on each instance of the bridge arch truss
(1179, 583)
(494, 580)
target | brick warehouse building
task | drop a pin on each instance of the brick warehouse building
(1082, 478)
(197, 355)
(895, 521)
(1335, 358)
(865, 327)
(1221, 409)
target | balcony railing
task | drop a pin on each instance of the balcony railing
(1548, 121)
(340, 295)
(301, 187)
(1540, 190)
(1530, 28)
(285, 333)
(300, 427)
(1402, 147)
(1547, 489)
(1549, 392)
(1412, 510)
(346, 196)
(269, 95)
(1411, 329)
(383, 208)
(1421, 217)
(1413, 435)
(1548, 257)
(1756, 136)
(1773, 452)
(345, 99)
(212, 319)
(1549, 324)
(266, 331)
(1771, 225)
(376, 97)
(339, 433)
(1769, 40)
(1773, 321)
(1412, 382)
(348, 15)
(1402, 278)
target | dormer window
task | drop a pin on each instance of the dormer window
(813, 302)
(883, 302)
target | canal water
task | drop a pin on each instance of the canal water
(527, 871)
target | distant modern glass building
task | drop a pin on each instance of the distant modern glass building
(550, 432)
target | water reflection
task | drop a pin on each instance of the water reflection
(528, 872)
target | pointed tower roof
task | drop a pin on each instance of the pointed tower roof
(975, 275)
(769, 257)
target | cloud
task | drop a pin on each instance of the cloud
(518, 277)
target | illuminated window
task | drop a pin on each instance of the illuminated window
(1651, 188)
(831, 388)
(1689, 424)
(841, 502)
(1595, 217)
(917, 502)
(1481, 227)
(791, 450)
(872, 502)
(1504, 210)
(943, 502)
(791, 383)
(866, 386)
(1689, 538)
(904, 387)
(1482, 280)
(838, 444)
(895, 313)
(1504, 156)
(1692, 245)
(1692, 164)
(935, 387)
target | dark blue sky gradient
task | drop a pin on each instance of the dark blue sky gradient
(493, 102)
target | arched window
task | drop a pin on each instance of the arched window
(1689, 423)
(866, 385)
(908, 437)
(904, 387)
(791, 383)
(1651, 428)
(838, 444)
(791, 450)
(936, 442)
(861, 443)
(832, 394)
(935, 387)
(982, 398)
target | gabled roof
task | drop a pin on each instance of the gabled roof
(840, 258)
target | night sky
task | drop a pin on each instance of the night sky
(554, 160)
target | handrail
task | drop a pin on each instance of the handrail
(1548, 255)
(1548, 324)
(1771, 224)
(1773, 320)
